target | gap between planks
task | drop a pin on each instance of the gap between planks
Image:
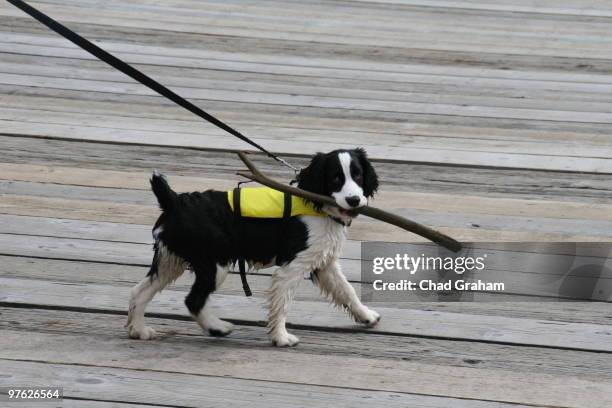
(491, 329)
(170, 389)
(298, 135)
(364, 230)
(137, 180)
(186, 355)
(109, 243)
(421, 350)
(316, 101)
(85, 272)
(188, 337)
(328, 34)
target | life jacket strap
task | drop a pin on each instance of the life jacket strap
(241, 261)
(287, 208)
(240, 229)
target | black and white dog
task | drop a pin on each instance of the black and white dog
(197, 231)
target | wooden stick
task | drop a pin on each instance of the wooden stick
(408, 225)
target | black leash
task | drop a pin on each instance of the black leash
(136, 74)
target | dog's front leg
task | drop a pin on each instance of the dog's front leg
(334, 284)
(284, 283)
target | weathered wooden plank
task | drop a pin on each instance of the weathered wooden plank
(521, 272)
(493, 329)
(378, 91)
(390, 7)
(104, 231)
(465, 126)
(155, 110)
(477, 144)
(215, 26)
(410, 9)
(134, 163)
(81, 249)
(416, 55)
(188, 390)
(320, 58)
(141, 234)
(461, 59)
(78, 229)
(102, 242)
(223, 142)
(329, 68)
(78, 403)
(384, 348)
(83, 209)
(124, 265)
(108, 243)
(261, 119)
(84, 272)
(453, 217)
(329, 102)
(69, 403)
(69, 182)
(475, 41)
(427, 89)
(267, 11)
(17, 240)
(142, 47)
(188, 356)
(536, 147)
(588, 8)
(505, 142)
(127, 180)
(79, 272)
(362, 230)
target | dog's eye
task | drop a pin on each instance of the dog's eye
(336, 180)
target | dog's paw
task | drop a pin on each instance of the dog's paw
(221, 328)
(285, 340)
(368, 317)
(141, 333)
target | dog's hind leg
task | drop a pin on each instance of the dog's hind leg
(165, 268)
(334, 284)
(284, 283)
(207, 280)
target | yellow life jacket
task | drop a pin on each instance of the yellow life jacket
(265, 202)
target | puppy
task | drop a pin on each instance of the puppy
(197, 231)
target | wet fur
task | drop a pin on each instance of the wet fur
(198, 231)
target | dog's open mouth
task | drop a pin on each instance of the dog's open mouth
(348, 213)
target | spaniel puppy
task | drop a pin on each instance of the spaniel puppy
(198, 231)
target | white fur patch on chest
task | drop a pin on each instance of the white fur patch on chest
(325, 242)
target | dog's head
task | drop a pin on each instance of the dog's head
(345, 175)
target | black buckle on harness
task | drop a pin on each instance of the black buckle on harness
(238, 218)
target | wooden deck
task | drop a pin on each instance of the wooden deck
(490, 120)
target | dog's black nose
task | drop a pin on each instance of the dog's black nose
(353, 201)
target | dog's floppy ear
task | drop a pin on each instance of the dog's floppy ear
(312, 178)
(370, 178)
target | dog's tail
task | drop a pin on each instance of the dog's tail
(165, 196)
